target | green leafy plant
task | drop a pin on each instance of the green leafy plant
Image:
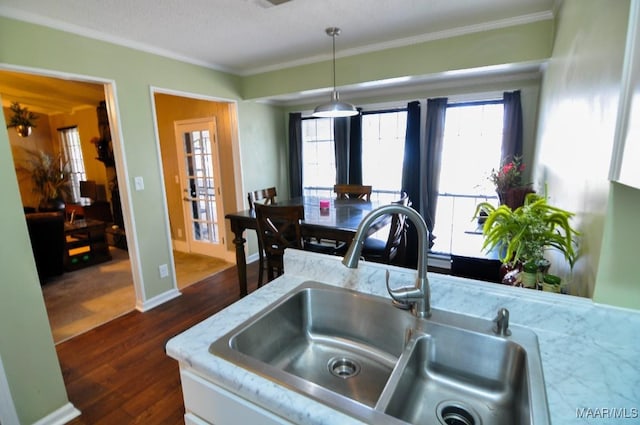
(49, 174)
(21, 116)
(523, 234)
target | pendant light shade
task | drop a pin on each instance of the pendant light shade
(334, 108)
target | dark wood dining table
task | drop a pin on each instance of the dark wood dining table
(339, 222)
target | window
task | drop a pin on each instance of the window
(383, 135)
(383, 138)
(471, 148)
(70, 140)
(318, 157)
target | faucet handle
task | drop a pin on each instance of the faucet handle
(396, 303)
(403, 297)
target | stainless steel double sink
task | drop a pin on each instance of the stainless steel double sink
(364, 357)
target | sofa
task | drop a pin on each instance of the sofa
(46, 231)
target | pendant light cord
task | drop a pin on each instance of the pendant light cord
(333, 37)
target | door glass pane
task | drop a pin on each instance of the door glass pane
(201, 183)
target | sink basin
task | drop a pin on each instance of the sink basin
(462, 376)
(361, 355)
(324, 340)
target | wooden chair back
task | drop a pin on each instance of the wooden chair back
(396, 246)
(353, 191)
(278, 229)
(266, 196)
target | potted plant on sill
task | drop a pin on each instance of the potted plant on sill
(508, 183)
(51, 179)
(22, 119)
(521, 235)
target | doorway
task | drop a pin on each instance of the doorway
(102, 291)
(200, 181)
(199, 193)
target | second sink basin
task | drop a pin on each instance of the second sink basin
(461, 377)
(361, 355)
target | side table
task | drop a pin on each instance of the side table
(86, 244)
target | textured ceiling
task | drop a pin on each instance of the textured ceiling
(246, 36)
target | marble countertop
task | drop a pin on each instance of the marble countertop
(590, 353)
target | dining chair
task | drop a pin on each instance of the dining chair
(393, 249)
(353, 191)
(265, 196)
(278, 229)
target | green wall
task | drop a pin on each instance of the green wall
(519, 44)
(617, 279)
(26, 343)
(578, 113)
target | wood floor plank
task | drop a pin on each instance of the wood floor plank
(119, 372)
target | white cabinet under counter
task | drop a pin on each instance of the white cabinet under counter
(207, 403)
(589, 352)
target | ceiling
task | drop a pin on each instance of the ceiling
(245, 37)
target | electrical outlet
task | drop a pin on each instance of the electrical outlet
(139, 183)
(164, 270)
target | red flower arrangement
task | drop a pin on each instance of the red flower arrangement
(508, 176)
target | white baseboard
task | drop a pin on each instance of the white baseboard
(61, 416)
(157, 300)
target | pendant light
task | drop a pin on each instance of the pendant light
(334, 108)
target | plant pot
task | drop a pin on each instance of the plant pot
(551, 283)
(514, 197)
(23, 130)
(529, 276)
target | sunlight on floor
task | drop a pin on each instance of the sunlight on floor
(81, 300)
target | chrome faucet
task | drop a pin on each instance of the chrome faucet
(418, 296)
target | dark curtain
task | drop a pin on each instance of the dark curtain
(410, 173)
(434, 133)
(341, 136)
(355, 149)
(512, 127)
(295, 155)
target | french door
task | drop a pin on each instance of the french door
(199, 170)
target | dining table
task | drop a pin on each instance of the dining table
(338, 221)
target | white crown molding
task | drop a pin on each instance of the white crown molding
(403, 42)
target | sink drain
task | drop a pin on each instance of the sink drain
(455, 413)
(343, 367)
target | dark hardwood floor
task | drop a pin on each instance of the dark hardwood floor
(119, 372)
